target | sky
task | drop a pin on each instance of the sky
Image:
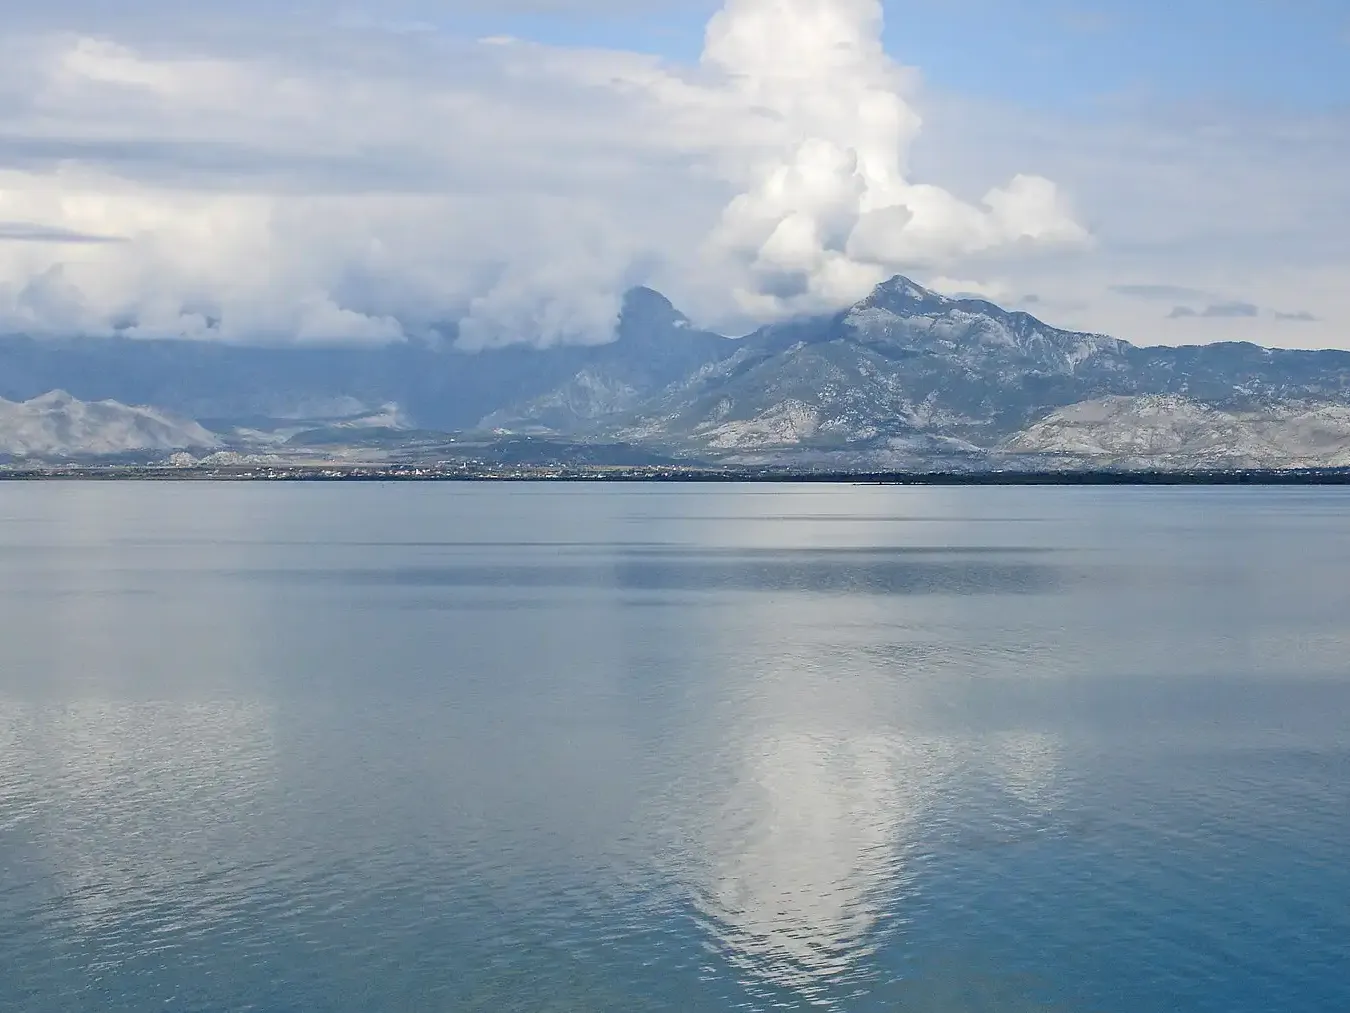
(293, 171)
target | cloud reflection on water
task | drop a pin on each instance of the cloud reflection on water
(831, 777)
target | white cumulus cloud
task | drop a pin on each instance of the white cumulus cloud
(829, 211)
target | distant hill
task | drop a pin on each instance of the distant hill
(57, 425)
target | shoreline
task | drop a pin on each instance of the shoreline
(328, 473)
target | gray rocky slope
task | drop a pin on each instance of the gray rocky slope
(1165, 430)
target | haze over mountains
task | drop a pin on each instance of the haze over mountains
(905, 378)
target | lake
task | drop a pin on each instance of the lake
(483, 747)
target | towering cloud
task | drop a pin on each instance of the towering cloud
(829, 211)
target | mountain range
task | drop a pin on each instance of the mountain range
(905, 378)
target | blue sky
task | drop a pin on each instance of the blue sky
(305, 170)
(1045, 52)
(1041, 52)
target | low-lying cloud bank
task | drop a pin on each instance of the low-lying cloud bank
(368, 186)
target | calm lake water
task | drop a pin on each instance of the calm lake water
(677, 748)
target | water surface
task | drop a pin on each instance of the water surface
(677, 748)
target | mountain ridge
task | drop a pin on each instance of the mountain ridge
(907, 365)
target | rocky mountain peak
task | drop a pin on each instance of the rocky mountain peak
(975, 332)
(647, 313)
(53, 400)
(904, 297)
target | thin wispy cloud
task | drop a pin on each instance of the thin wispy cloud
(1159, 293)
(1230, 311)
(1238, 311)
(33, 232)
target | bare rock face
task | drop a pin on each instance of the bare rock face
(1141, 427)
(56, 425)
(1163, 429)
